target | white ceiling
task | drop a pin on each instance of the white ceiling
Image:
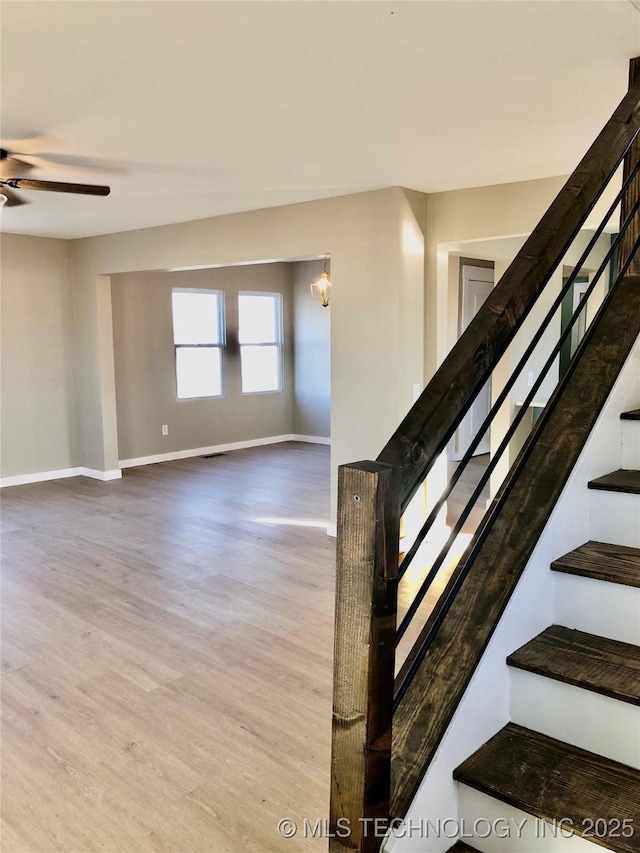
(193, 109)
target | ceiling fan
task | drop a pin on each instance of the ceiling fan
(7, 185)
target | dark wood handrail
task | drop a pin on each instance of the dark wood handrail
(427, 428)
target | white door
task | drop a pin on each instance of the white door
(477, 284)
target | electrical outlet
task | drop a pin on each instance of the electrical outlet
(165, 429)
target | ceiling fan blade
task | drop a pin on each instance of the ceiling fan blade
(25, 141)
(77, 161)
(12, 199)
(11, 166)
(24, 164)
(56, 186)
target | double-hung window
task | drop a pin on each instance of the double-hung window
(198, 337)
(260, 337)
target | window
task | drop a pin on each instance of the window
(260, 336)
(198, 336)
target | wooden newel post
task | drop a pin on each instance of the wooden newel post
(366, 604)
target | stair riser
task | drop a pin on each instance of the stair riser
(577, 716)
(615, 518)
(534, 837)
(630, 444)
(606, 609)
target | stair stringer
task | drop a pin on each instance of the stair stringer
(485, 707)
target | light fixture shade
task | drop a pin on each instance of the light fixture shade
(321, 289)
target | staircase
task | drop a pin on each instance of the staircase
(569, 762)
(532, 654)
(563, 776)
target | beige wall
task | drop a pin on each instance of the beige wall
(312, 355)
(39, 415)
(459, 216)
(144, 360)
(372, 332)
(390, 316)
(413, 234)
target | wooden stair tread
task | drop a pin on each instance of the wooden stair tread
(554, 780)
(599, 560)
(633, 415)
(584, 660)
(622, 480)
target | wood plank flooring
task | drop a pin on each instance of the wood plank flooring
(167, 650)
(463, 490)
(412, 580)
(167, 644)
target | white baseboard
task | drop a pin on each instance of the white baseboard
(115, 474)
(332, 530)
(218, 448)
(311, 439)
(39, 477)
(60, 474)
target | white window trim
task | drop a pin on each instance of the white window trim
(279, 342)
(222, 346)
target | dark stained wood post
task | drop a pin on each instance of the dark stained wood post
(366, 604)
(631, 196)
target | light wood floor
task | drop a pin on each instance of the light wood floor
(166, 656)
(413, 579)
(167, 650)
(463, 490)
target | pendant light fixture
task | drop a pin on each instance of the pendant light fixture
(321, 288)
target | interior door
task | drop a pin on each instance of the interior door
(477, 284)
